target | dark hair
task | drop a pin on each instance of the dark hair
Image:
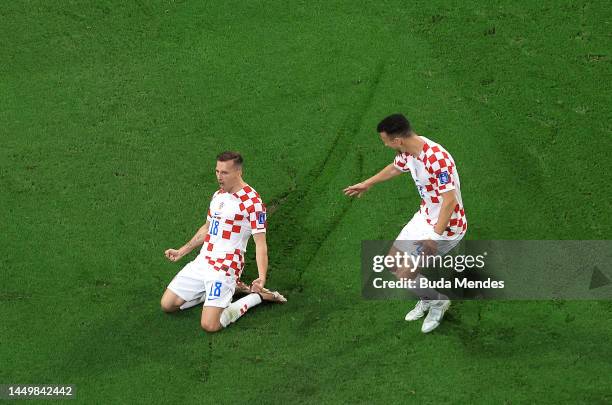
(229, 155)
(394, 126)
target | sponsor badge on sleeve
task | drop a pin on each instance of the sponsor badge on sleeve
(261, 218)
(444, 178)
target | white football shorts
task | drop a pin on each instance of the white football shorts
(197, 278)
(418, 229)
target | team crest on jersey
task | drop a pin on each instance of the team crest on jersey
(261, 218)
(443, 178)
(221, 204)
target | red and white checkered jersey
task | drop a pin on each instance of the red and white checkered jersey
(434, 173)
(233, 218)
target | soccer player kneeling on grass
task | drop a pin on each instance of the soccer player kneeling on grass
(236, 212)
(440, 223)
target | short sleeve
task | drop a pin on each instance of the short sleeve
(257, 217)
(253, 209)
(401, 162)
(441, 166)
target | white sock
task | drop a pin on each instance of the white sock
(193, 303)
(239, 308)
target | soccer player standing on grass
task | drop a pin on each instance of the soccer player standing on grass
(439, 224)
(236, 212)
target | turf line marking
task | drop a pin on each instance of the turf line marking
(302, 199)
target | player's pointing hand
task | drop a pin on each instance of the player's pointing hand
(356, 189)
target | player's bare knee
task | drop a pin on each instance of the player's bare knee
(167, 306)
(170, 302)
(210, 327)
(168, 309)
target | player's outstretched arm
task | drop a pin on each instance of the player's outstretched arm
(261, 256)
(197, 240)
(356, 190)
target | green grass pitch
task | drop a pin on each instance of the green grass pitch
(111, 114)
